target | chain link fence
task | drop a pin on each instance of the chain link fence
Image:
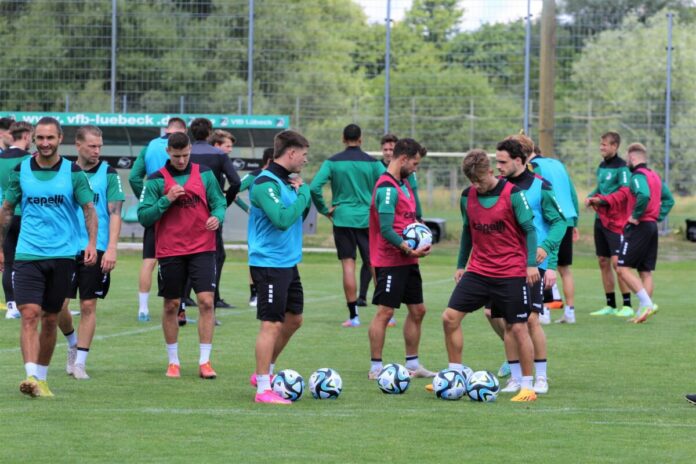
(456, 80)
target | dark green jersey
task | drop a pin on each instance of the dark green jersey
(523, 214)
(137, 173)
(353, 175)
(154, 203)
(612, 174)
(9, 159)
(247, 182)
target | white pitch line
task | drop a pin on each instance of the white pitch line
(644, 424)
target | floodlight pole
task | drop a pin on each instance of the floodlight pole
(527, 52)
(113, 55)
(250, 61)
(668, 107)
(387, 64)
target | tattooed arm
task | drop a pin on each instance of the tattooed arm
(109, 258)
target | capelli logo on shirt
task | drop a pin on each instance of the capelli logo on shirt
(496, 227)
(53, 201)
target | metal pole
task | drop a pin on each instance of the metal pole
(527, 52)
(387, 64)
(181, 104)
(250, 61)
(113, 56)
(124, 105)
(67, 103)
(668, 106)
(547, 61)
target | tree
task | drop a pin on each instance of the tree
(620, 83)
(435, 20)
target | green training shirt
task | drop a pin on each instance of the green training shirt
(247, 181)
(137, 173)
(154, 203)
(353, 175)
(9, 159)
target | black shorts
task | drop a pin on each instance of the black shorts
(46, 283)
(536, 293)
(508, 296)
(91, 280)
(607, 243)
(639, 247)
(174, 270)
(565, 249)
(398, 284)
(279, 290)
(9, 246)
(347, 239)
(149, 243)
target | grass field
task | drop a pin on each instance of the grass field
(616, 388)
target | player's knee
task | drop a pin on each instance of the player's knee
(450, 321)
(294, 322)
(488, 313)
(171, 306)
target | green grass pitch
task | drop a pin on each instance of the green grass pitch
(616, 388)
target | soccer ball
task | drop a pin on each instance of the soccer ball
(394, 379)
(449, 384)
(482, 386)
(325, 383)
(417, 236)
(289, 384)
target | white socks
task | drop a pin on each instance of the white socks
(142, 299)
(41, 372)
(457, 367)
(540, 368)
(173, 352)
(206, 348)
(515, 370)
(263, 383)
(72, 339)
(30, 368)
(569, 311)
(527, 382)
(412, 362)
(81, 357)
(555, 292)
(644, 298)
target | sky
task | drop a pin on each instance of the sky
(476, 12)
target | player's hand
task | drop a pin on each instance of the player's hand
(576, 234)
(296, 182)
(593, 202)
(175, 192)
(2, 261)
(533, 275)
(633, 221)
(212, 223)
(458, 274)
(108, 260)
(422, 252)
(90, 255)
(540, 255)
(330, 213)
(549, 278)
